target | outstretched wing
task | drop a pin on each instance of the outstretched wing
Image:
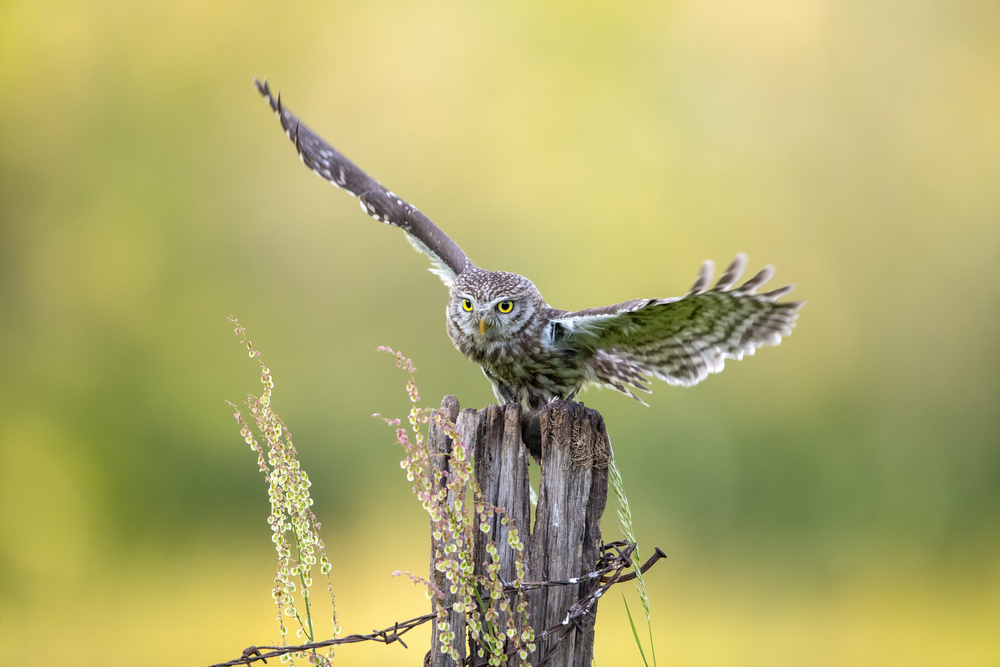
(376, 200)
(682, 339)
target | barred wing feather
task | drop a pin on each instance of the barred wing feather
(380, 203)
(681, 340)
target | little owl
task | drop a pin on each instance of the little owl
(534, 353)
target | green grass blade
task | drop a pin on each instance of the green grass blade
(634, 633)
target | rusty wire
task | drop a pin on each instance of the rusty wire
(615, 558)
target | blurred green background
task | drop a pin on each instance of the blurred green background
(833, 501)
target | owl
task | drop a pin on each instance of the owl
(533, 353)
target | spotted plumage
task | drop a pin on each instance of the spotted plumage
(533, 353)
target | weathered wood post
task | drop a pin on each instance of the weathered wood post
(571, 443)
(440, 446)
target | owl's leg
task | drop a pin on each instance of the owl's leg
(503, 393)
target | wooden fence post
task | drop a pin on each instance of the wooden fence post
(571, 443)
(440, 446)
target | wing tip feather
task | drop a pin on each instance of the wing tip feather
(732, 272)
(704, 278)
(758, 280)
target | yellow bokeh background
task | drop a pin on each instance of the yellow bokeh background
(833, 501)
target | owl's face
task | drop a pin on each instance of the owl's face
(488, 306)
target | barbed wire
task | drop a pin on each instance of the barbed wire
(615, 558)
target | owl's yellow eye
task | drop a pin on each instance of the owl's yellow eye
(467, 305)
(505, 306)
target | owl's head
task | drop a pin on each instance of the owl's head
(491, 305)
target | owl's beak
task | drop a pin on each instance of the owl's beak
(482, 327)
